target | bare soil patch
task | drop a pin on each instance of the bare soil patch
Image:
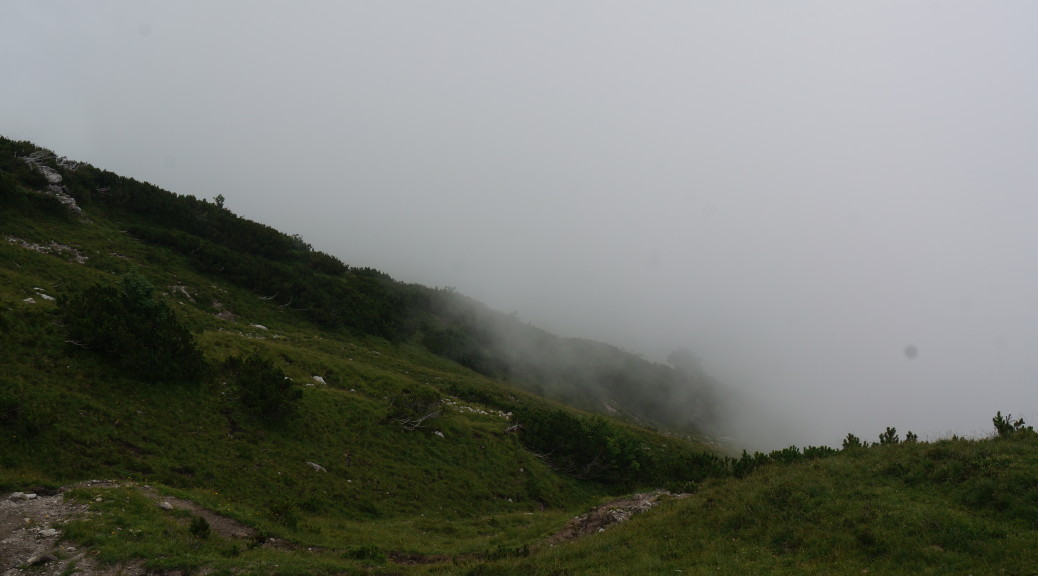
(31, 529)
(219, 524)
(616, 511)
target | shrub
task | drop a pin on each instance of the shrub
(17, 414)
(889, 437)
(284, 513)
(1007, 427)
(746, 463)
(367, 552)
(412, 408)
(200, 528)
(851, 442)
(786, 455)
(263, 387)
(590, 448)
(8, 186)
(130, 326)
(812, 452)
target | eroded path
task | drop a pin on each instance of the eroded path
(30, 526)
(612, 512)
(31, 529)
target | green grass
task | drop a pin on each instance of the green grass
(906, 509)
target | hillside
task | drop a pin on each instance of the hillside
(159, 348)
(955, 506)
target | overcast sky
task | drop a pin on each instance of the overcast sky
(833, 204)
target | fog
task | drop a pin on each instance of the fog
(833, 205)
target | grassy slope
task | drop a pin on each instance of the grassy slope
(950, 507)
(84, 407)
(66, 415)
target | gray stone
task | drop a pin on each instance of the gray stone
(39, 559)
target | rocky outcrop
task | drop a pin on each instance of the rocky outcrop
(53, 248)
(53, 177)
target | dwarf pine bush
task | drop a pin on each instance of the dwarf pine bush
(263, 387)
(133, 328)
(1006, 427)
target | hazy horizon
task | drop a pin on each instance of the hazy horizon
(832, 205)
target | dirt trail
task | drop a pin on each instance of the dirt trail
(219, 524)
(608, 514)
(31, 526)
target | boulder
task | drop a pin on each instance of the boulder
(40, 559)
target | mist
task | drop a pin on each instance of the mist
(831, 205)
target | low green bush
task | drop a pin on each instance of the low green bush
(200, 528)
(133, 328)
(1006, 427)
(263, 387)
(590, 448)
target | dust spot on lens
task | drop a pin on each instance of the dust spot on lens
(911, 352)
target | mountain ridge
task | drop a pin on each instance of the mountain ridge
(370, 424)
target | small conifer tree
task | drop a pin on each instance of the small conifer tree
(889, 437)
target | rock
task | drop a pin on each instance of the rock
(49, 173)
(39, 559)
(165, 505)
(438, 433)
(319, 380)
(19, 496)
(62, 194)
(48, 532)
(317, 467)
